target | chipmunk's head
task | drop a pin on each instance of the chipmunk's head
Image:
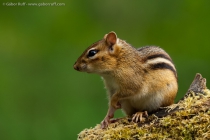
(100, 57)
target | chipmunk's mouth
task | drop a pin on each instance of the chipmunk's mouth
(81, 67)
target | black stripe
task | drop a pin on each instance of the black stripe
(142, 48)
(159, 55)
(163, 66)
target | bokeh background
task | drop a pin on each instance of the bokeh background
(43, 97)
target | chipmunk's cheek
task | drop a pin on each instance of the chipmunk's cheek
(89, 69)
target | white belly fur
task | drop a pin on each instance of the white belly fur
(141, 102)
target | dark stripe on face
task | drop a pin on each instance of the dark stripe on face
(163, 66)
(159, 55)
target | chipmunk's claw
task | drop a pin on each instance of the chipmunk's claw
(105, 123)
(137, 117)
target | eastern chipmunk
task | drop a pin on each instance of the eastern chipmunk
(137, 80)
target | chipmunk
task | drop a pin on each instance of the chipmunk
(138, 81)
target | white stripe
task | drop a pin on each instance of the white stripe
(160, 60)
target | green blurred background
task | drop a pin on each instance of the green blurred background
(43, 97)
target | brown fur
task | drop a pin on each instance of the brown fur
(129, 76)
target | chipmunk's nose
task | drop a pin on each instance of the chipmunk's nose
(76, 67)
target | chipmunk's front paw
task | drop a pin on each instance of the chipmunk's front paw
(105, 123)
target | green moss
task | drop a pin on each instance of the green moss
(192, 121)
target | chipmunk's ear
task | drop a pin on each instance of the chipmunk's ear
(111, 38)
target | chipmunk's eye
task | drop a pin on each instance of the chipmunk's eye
(92, 53)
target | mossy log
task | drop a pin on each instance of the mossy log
(187, 119)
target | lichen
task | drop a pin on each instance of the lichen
(191, 121)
